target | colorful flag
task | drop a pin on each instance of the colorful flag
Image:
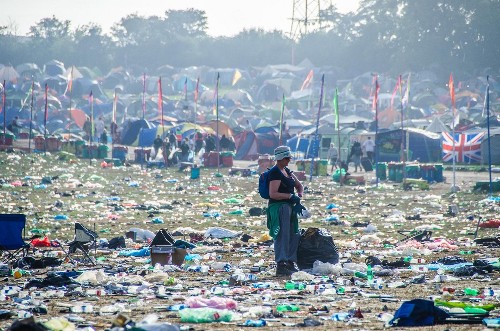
(216, 97)
(69, 88)
(375, 96)
(160, 100)
(467, 147)
(307, 82)
(406, 96)
(452, 93)
(396, 89)
(336, 108)
(236, 77)
(196, 90)
(91, 103)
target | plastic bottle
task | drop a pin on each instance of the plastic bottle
(489, 292)
(399, 284)
(177, 307)
(294, 286)
(82, 309)
(205, 315)
(466, 252)
(283, 308)
(24, 314)
(255, 323)
(369, 273)
(471, 291)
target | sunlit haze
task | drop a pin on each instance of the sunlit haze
(225, 17)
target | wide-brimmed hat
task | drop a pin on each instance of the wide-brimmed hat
(282, 152)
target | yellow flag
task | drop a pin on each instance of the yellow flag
(236, 77)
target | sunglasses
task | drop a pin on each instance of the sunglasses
(287, 158)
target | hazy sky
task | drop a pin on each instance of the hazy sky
(225, 17)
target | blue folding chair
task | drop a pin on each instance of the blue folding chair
(12, 228)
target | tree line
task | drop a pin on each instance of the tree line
(389, 36)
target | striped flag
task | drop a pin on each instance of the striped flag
(406, 96)
(375, 95)
(307, 82)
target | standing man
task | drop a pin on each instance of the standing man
(369, 147)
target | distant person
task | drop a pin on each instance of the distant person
(173, 139)
(356, 153)
(104, 136)
(14, 126)
(333, 155)
(87, 128)
(185, 150)
(99, 128)
(157, 143)
(209, 143)
(369, 147)
(224, 143)
(198, 144)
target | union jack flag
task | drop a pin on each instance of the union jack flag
(467, 147)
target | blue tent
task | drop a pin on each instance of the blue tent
(424, 146)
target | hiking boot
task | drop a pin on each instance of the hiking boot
(292, 266)
(282, 269)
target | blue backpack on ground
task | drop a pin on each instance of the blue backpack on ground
(264, 184)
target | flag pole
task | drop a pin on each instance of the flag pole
(31, 115)
(375, 101)
(452, 95)
(46, 114)
(70, 88)
(91, 138)
(281, 119)
(315, 147)
(489, 137)
(403, 134)
(337, 120)
(217, 120)
(4, 96)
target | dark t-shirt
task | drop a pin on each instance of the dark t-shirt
(287, 183)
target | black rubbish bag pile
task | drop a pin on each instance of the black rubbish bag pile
(316, 245)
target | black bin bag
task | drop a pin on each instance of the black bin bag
(316, 245)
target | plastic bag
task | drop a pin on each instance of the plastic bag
(316, 245)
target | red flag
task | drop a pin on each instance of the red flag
(307, 82)
(452, 92)
(396, 88)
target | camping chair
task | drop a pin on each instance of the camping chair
(11, 237)
(82, 241)
(417, 235)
